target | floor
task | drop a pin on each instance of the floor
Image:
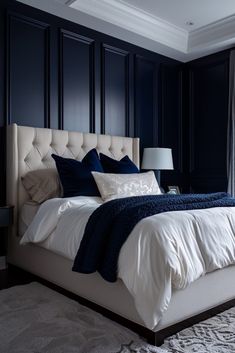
(36, 319)
(14, 276)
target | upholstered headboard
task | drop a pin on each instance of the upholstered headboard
(30, 148)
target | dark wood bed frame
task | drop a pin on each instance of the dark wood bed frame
(16, 276)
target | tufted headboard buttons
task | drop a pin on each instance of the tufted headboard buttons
(30, 148)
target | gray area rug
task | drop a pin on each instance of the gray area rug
(215, 335)
(35, 319)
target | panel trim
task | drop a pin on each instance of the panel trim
(63, 33)
(155, 116)
(192, 168)
(118, 51)
(46, 28)
(180, 114)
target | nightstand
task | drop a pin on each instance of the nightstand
(6, 219)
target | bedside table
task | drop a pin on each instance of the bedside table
(6, 219)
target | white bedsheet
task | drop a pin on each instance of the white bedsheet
(165, 251)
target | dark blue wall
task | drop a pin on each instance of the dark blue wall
(58, 74)
(208, 85)
(54, 73)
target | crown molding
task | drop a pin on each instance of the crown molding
(69, 2)
(217, 34)
(140, 28)
(135, 20)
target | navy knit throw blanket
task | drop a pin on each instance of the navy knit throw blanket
(110, 225)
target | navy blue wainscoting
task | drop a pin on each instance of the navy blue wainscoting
(208, 120)
(58, 74)
(55, 73)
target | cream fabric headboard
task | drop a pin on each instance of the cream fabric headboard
(30, 148)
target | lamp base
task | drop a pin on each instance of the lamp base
(158, 176)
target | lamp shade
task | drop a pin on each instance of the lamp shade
(157, 158)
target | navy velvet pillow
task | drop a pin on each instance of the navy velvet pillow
(124, 166)
(76, 177)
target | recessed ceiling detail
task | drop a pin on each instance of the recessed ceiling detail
(182, 29)
(177, 12)
(135, 20)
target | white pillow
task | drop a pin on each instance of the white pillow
(114, 186)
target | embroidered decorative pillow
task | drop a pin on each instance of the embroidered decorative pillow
(114, 186)
(42, 184)
(124, 166)
(76, 177)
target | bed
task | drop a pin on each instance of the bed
(30, 148)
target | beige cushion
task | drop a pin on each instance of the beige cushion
(114, 186)
(42, 184)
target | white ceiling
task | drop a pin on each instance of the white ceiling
(157, 25)
(178, 12)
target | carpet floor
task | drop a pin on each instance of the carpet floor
(215, 335)
(35, 319)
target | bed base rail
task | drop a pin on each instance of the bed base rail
(154, 338)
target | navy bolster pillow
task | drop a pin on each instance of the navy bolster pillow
(76, 177)
(124, 166)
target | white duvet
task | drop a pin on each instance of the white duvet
(165, 251)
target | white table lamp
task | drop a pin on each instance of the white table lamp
(157, 159)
